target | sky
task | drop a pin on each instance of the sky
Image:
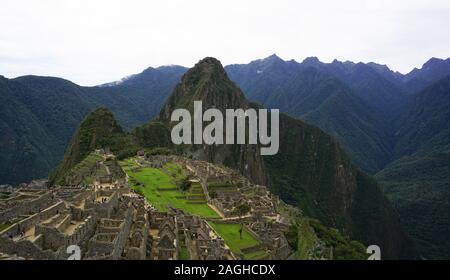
(91, 42)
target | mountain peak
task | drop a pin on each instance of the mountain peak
(208, 66)
(98, 130)
(209, 62)
(432, 62)
(272, 56)
(272, 59)
(207, 81)
(311, 60)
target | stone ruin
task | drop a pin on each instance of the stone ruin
(109, 222)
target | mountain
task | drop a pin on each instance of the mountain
(432, 71)
(208, 82)
(138, 98)
(427, 117)
(418, 181)
(25, 142)
(328, 96)
(392, 125)
(310, 171)
(373, 85)
(57, 106)
(40, 115)
(98, 130)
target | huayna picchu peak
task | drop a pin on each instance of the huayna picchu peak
(208, 82)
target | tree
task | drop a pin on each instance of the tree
(240, 231)
(242, 209)
(184, 184)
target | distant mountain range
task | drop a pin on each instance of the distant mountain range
(393, 125)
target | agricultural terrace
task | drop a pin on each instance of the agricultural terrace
(159, 186)
(237, 243)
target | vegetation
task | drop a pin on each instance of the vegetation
(153, 134)
(343, 249)
(40, 115)
(230, 233)
(422, 199)
(160, 189)
(311, 176)
(4, 195)
(98, 130)
(183, 253)
(404, 137)
(242, 209)
(330, 96)
(85, 171)
(184, 185)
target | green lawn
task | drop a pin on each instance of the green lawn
(174, 170)
(155, 181)
(230, 233)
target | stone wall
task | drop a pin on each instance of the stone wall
(25, 249)
(109, 241)
(26, 207)
(29, 222)
(105, 209)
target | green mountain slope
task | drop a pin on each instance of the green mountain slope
(98, 130)
(24, 141)
(312, 172)
(42, 113)
(431, 71)
(331, 96)
(418, 182)
(427, 116)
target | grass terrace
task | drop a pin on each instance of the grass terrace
(82, 172)
(230, 233)
(159, 186)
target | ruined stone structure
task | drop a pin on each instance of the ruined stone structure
(108, 221)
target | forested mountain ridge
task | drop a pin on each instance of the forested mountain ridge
(40, 115)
